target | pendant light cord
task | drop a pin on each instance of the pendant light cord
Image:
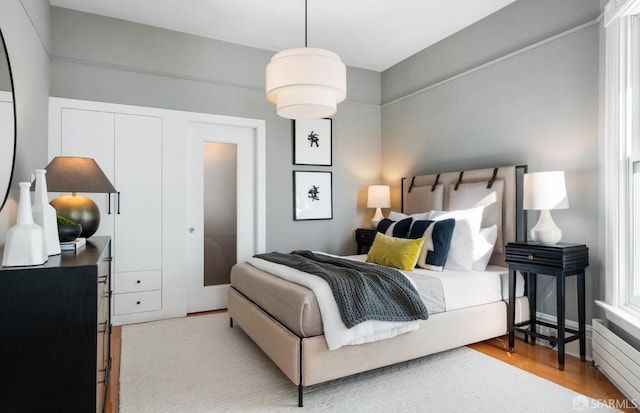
(305, 23)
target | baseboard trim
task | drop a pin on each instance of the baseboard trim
(572, 348)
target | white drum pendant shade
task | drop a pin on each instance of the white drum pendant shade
(306, 83)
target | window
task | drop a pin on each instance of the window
(622, 159)
(633, 162)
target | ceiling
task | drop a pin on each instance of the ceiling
(370, 34)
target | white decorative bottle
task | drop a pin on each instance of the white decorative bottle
(45, 215)
(25, 243)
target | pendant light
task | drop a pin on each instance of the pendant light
(306, 83)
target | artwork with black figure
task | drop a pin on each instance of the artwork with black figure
(313, 193)
(312, 142)
(314, 139)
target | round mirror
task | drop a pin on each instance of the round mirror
(7, 123)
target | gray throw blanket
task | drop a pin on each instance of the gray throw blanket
(362, 291)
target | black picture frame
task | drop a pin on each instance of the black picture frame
(312, 142)
(312, 195)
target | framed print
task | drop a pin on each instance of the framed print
(312, 195)
(312, 142)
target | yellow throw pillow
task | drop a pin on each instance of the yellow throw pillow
(393, 252)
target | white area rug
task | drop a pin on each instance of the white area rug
(200, 364)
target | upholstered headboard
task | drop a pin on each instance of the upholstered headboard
(499, 190)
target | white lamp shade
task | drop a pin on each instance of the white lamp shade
(545, 191)
(306, 83)
(378, 196)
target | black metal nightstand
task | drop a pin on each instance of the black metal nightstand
(364, 238)
(560, 260)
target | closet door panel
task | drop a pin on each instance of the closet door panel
(138, 177)
(90, 134)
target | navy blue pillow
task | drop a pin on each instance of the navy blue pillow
(398, 229)
(437, 239)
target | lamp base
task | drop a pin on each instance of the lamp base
(377, 218)
(80, 209)
(546, 231)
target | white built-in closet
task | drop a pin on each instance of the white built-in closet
(145, 154)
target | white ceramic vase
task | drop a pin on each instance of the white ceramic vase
(25, 244)
(45, 215)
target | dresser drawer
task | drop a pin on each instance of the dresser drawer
(103, 300)
(533, 257)
(104, 267)
(129, 282)
(137, 302)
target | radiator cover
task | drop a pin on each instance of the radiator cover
(617, 359)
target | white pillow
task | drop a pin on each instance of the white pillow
(465, 236)
(484, 247)
(399, 216)
(471, 195)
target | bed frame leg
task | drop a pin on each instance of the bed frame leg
(300, 388)
(230, 322)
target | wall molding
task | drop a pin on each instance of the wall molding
(175, 75)
(211, 81)
(152, 72)
(497, 60)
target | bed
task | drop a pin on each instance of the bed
(284, 319)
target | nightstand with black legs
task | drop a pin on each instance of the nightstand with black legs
(364, 239)
(561, 261)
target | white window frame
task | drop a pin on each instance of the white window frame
(622, 153)
(632, 291)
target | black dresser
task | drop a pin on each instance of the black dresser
(55, 328)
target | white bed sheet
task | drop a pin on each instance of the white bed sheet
(452, 290)
(463, 289)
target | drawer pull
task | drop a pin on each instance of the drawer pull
(530, 256)
(137, 302)
(138, 282)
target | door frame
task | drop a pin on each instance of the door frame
(256, 130)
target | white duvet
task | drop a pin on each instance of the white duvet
(335, 331)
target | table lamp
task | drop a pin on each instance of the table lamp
(74, 174)
(378, 197)
(545, 191)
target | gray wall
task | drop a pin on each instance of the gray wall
(109, 60)
(538, 107)
(5, 77)
(25, 26)
(446, 109)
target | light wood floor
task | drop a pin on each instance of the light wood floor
(543, 362)
(539, 360)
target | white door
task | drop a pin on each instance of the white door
(222, 202)
(138, 206)
(90, 134)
